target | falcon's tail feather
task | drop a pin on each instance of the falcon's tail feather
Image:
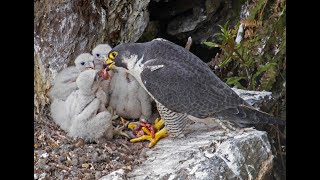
(248, 115)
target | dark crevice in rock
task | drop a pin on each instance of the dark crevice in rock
(198, 19)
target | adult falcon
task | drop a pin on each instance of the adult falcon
(183, 86)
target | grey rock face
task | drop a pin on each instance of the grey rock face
(115, 175)
(254, 98)
(208, 153)
(64, 29)
(200, 14)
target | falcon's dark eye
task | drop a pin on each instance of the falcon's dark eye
(98, 55)
(82, 63)
(113, 55)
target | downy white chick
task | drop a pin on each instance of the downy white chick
(64, 84)
(99, 53)
(88, 120)
(127, 98)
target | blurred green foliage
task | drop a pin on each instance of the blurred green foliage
(258, 62)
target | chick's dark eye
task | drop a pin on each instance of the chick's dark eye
(98, 55)
(82, 63)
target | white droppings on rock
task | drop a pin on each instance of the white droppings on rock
(171, 177)
(240, 34)
(208, 155)
(245, 11)
(263, 44)
(44, 155)
(194, 169)
(42, 176)
(230, 156)
(115, 175)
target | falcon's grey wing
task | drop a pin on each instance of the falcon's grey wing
(185, 84)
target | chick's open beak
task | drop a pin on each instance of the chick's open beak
(92, 66)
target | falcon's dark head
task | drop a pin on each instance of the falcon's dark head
(124, 56)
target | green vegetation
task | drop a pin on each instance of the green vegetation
(258, 62)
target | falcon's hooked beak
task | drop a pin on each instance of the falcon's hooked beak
(110, 60)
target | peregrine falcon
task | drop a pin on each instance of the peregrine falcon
(183, 86)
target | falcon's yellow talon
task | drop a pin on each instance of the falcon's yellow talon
(146, 130)
(141, 138)
(160, 134)
(158, 124)
(157, 120)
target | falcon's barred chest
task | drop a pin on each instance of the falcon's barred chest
(174, 122)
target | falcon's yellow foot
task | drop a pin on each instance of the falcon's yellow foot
(158, 124)
(141, 128)
(144, 131)
(158, 135)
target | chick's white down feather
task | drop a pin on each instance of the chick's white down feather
(64, 85)
(127, 98)
(100, 53)
(65, 82)
(88, 120)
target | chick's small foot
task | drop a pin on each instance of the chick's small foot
(119, 131)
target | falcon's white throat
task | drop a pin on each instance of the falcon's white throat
(135, 68)
(134, 65)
